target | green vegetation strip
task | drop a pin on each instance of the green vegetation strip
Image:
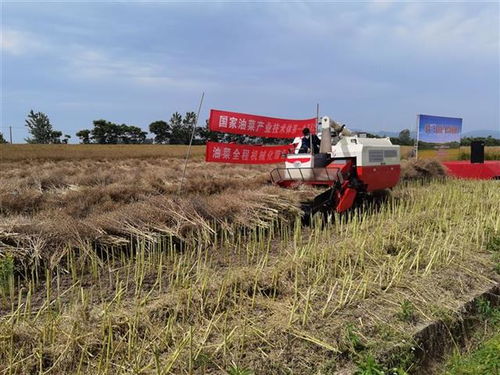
(485, 360)
(482, 357)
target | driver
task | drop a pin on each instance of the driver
(306, 140)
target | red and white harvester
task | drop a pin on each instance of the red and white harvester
(350, 166)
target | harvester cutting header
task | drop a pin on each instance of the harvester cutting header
(350, 165)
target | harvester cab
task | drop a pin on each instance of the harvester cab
(348, 164)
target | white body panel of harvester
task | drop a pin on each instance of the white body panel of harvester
(367, 151)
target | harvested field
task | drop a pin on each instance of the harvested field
(104, 268)
(56, 205)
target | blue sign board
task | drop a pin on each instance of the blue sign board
(437, 129)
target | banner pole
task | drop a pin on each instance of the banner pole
(188, 153)
(317, 116)
(311, 136)
(416, 137)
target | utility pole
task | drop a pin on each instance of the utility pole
(10, 133)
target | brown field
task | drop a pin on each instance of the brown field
(95, 152)
(68, 202)
(113, 152)
(105, 267)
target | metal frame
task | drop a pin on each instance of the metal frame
(332, 174)
(415, 145)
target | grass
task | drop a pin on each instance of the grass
(483, 361)
(407, 311)
(491, 153)
(481, 357)
(270, 300)
(6, 273)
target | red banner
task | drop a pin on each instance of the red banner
(245, 154)
(258, 126)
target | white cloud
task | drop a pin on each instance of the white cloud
(426, 27)
(82, 62)
(16, 42)
(448, 28)
(101, 66)
(95, 64)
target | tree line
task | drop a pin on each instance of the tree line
(177, 130)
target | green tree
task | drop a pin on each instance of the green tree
(405, 138)
(488, 141)
(161, 130)
(66, 139)
(106, 132)
(84, 135)
(189, 122)
(203, 135)
(2, 139)
(41, 129)
(131, 134)
(180, 130)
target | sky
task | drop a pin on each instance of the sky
(370, 65)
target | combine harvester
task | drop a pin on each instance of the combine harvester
(354, 165)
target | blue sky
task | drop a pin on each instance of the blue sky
(371, 65)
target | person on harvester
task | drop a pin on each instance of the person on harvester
(305, 146)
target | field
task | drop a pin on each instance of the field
(109, 265)
(116, 152)
(462, 153)
(23, 152)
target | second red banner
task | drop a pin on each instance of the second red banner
(246, 154)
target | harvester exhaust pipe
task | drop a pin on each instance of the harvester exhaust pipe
(326, 137)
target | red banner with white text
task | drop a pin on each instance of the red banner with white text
(245, 154)
(258, 126)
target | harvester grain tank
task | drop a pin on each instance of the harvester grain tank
(350, 165)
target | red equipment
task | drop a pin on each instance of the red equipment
(489, 170)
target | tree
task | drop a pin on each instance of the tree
(161, 130)
(84, 135)
(203, 135)
(405, 138)
(2, 139)
(41, 130)
(105, 132)
(131, 134)
(180, 132)
(56, 136)
(488, 141)
(66, 139)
